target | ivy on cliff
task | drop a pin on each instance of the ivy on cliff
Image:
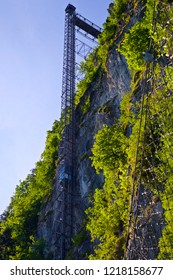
(18, 228)
(96, 61)
(136, 42)
(89, 68)
(114, 154)
(120, 155)
(115, 150)
(107, 218)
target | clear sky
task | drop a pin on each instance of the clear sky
(31, 54)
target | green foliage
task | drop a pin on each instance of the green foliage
(119, 156)
(79, 237)
(86, 105)
(146, 32)
(89, 68)
(108, 149)
(21, 221)
(107, 218)
(119, 8)
(164, 155)
(115, 153)
(106, 221)
(96, 61)
(36, 249)
(134, 44)
(111, 26)
(116, 14)
(6, 242)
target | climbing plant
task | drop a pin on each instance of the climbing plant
(138, 149)
(95, 63)
(107, 219)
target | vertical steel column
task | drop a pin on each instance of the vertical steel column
(68, 84)
(66, 150)
(66, 156)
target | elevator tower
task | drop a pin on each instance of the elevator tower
(66, 190)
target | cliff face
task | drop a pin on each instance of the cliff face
(141, 170)
(104, 96)
(103, 107)
(123, 129)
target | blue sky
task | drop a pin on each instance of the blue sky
(31, 54)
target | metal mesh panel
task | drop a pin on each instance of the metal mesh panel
(150, 230)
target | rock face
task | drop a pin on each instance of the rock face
(104, 96)
(103, 99)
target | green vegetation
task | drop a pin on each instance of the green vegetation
(107, 218)
(113, 153)
(111, 27)
(134, 44)
(86, 105)
(89, 68)
(142, 136)
(120, 155)
(96, 61)
(18, 228)
(79, 237)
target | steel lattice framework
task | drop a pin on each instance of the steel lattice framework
(66, 191)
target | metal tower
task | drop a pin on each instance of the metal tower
(66, 191)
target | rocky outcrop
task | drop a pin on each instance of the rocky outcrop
(103, 106)
(104, 96)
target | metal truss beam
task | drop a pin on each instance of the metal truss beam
(82, 49)
(87, 28)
